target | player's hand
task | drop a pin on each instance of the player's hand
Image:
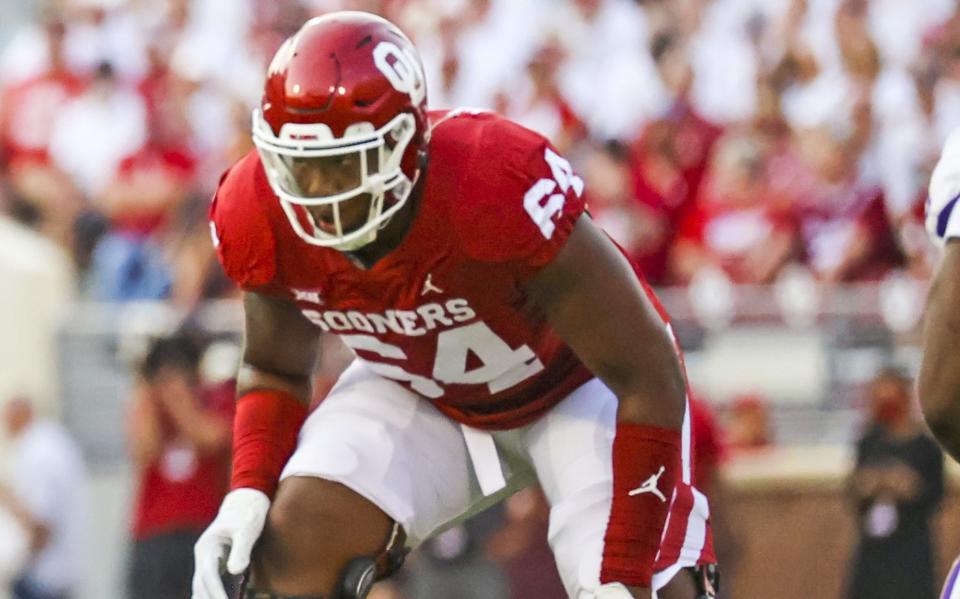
(229, 537)
(943, 207)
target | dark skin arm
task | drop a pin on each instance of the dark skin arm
(592, 298)
(939, 380)
(281, 347)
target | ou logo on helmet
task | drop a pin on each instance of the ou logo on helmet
(402, 69)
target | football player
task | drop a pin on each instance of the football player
(939, 380)
(501, 339)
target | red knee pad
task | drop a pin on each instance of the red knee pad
(265, 431)
(646, 467)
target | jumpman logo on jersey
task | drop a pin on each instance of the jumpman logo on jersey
(428, 286)
(650, 486)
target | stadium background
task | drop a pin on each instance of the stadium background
(765, 160)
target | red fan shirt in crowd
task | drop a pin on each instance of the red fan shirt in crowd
(834, 218)
(29, 112)
(182, 489)
(444, 313)
(668, 162)
(537, 102)
(552, 115)
(731, 230)
(169, 165)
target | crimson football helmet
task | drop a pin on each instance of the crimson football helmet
(345, 101)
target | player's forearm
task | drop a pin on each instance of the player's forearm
(651, 388)
(281, 348)
(592, 298)
(274, 389)
(659, 402)
(271, 409)
(939, 381)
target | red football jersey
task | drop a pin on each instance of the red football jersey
(444, 313)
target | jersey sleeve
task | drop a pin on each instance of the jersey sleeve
(240, 227)
(520, 200)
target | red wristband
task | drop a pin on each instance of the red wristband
(265, 432)
(646, 467)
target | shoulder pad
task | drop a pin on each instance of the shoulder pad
(241, 226)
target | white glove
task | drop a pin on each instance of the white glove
(235, 529)
(943, 208)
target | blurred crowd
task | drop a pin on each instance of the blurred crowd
(730, 137)
(739, 139)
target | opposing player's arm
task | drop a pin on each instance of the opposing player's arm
(939, 382)
(592, 298)
(281, 347)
